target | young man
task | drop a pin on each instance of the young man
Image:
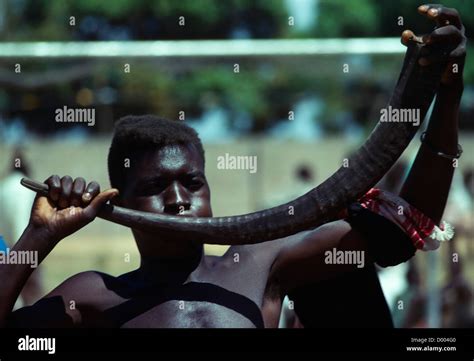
(176, 285)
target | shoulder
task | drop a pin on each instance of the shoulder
(81, 285)
(91, 278)
(304, 249)
(271, 250)
(331, 229)
(316, 237)
(90, 288)
(63, 306)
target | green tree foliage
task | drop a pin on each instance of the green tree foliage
(342, 18)
(265, 95)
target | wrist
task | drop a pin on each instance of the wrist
(451, 155)
(41, 235)
(452, 91)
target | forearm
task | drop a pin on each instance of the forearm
(428, 183)
(14, 276)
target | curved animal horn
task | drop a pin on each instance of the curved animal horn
(415, 89)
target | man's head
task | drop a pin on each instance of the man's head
(158, 166)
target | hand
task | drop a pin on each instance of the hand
(70, 205)
(449, 32)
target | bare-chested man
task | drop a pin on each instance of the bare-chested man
(177, 285)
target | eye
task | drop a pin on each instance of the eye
(194, 184)
(152, 188)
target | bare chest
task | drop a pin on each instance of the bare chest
(226, 297)
(194, 314)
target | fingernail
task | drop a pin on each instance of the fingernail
(86, 196)
(423, 7)
(433, 12)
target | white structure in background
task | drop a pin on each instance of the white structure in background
(15, 207)
(213, 126)
(13, 132)
(304, 126)
(393, 281)
(304, 12)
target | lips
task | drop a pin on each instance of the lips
(182, 214)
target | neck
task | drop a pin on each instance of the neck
(165, 269)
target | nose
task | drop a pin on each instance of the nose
(176, 199)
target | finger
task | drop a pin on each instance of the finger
(66, 188)
(451, 74)
(78, 188)
(442, 15)
(425, 8)
(447, 34)
(408, 36)
(93, 208)
(422, 9)
(455, 57)
(54, 183)
(428, 58)
(92, 190)
(43, 202)
(447, 16)
(459, 52)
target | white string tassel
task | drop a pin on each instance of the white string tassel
(438, 235)
(443, 233)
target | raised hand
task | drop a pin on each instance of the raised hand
(449, 33)
(69, 206)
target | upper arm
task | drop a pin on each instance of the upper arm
(302, 258)
(61, 307)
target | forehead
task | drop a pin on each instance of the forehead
(171, 159)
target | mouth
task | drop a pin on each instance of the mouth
(186, 213)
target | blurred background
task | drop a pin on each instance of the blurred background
(300, 113)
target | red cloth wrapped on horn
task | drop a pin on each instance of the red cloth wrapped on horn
(423, 232)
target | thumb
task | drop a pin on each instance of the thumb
(409, 35)
(94, 206)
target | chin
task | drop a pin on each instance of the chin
(162, 237)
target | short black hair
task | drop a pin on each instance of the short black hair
(136, 134)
